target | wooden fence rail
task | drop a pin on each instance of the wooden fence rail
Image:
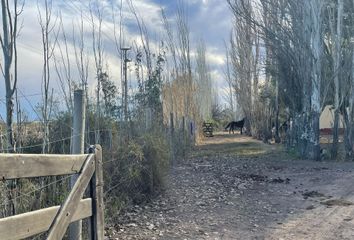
(56, 219)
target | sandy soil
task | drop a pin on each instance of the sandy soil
(234, 187)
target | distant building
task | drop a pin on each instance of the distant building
(327, 120)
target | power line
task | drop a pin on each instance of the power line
(88, 19)
(23, 96)
(29, 102)
(31, 48)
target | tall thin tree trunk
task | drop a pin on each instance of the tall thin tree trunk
(277, 138)
(7, 44)
(312, 104)
(337, 45)
(349, 117)
(334, 150)
(48, 48)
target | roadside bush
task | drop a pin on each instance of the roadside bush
(137, 172)
(156, 154)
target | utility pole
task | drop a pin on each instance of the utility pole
(75, 229)
(125, 89)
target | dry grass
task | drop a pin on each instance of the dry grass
(230, 144)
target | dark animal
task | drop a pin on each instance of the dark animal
(233, 125)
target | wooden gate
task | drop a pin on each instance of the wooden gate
(56, 219)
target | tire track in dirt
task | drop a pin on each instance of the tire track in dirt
(323, 223)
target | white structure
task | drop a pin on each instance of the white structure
(327, 118)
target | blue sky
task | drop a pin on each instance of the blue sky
(210, 20)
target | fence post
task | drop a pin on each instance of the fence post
(75, 229)
(172, 139)
(96, 192)
(1, 145)
(192, 133)
(185, 143)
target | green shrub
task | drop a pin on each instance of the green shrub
(156, 155)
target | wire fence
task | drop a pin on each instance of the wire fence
(120, 171)
(22, 194)
(55, 141)
(29, 193)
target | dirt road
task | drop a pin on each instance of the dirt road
(234, 187)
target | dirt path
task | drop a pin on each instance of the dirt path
(234, 187)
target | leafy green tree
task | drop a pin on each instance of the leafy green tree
(110, 93)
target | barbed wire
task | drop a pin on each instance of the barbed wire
(39, 144)
(55, 141)
(29, 193)
(21, 194)
(111, 188)
(117, 185)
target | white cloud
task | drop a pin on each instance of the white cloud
(216, 59)
(209, 19)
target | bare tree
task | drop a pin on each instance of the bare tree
(313, 25)
(204, 94)
(336, 33)
(119, 41)
(97, 47)
(150, 84)
(348, 69)
(293, 33)
(184, 53)
(229, 95)
(170, 39)
(62, 63)
(8, 40)
(48, 45)
(349, 113)
(82, 63)
(144, 57)
(182, 85)
(144, 38)
(172, 73)
(245, 62)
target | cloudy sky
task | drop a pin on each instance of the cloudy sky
(209, 20)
